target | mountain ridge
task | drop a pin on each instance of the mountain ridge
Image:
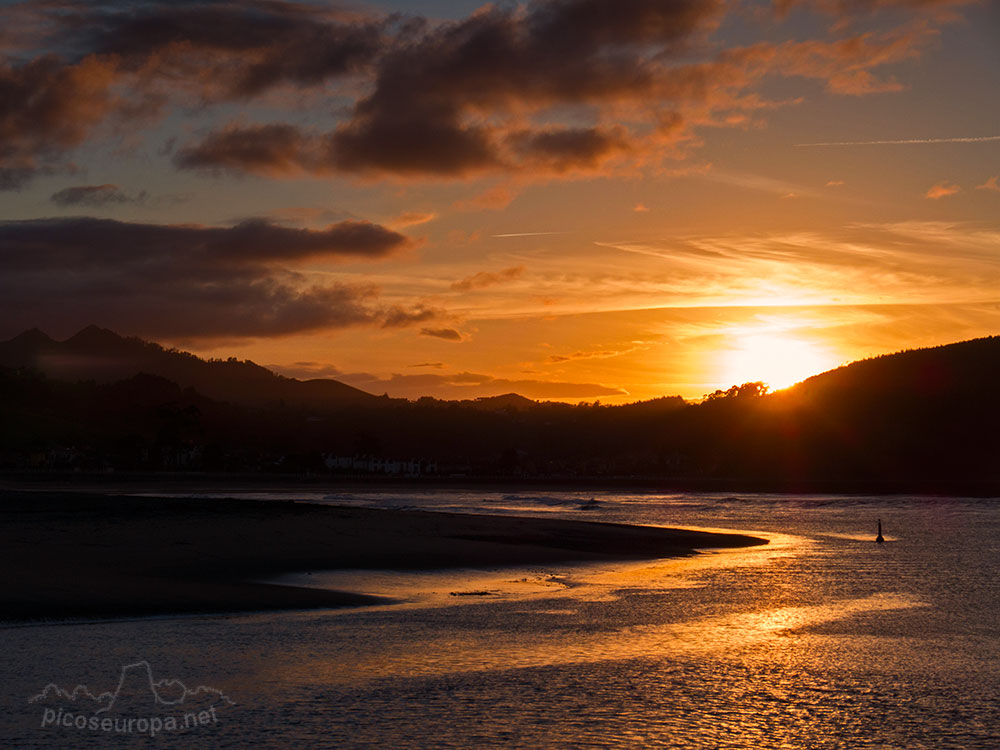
(918, 420)
(102, 355)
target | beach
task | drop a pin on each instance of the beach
(819, 639)
(79, 555)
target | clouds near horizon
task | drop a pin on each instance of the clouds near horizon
(456, 385)
(474, 385)
(94, 196)
(190, 281)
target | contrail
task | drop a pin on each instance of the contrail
(978, 139)
(527, 234)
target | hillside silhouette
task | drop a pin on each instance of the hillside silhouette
(105, 357)
(917, 420)
(926, 417)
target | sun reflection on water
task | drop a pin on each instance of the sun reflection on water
(573, 593)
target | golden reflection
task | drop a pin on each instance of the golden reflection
(732, 637)
(573, 589)
(747, 629)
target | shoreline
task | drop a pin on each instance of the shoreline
(88, 555)
(247, 482)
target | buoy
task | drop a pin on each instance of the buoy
(879, 539)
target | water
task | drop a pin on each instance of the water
(821, 639)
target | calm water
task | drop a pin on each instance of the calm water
(822, 639)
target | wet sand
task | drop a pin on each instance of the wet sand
(70, 555)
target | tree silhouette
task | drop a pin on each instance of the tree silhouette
(748, 390)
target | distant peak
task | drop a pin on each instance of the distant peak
(94, 334)
(95, 330)
(514, 400)
(33, 336)
(515, 397)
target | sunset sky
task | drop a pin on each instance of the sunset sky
(570, 199)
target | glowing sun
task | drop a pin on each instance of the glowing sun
(778, 359)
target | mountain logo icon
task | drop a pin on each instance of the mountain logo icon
(136, 682)
(139, 703)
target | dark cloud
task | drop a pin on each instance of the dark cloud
(448, 334)
(262, 240)
(16, 178)
(228, 48)
(561, 150)
(130, 60)
(171, 281)
(425, 113)
(94, 195)
(450, 100)
(46, 109)
(630, 80)
(400, 317)
(415, 141)
(95, 242)
(485, 279)
(439, 91)
(265, 149)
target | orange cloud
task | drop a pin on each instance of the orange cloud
(942, 190)
(413, 218)
(846, 64)
(990, 184)
(491, 200)
(484, 279)
(593, 354)
(849, 8)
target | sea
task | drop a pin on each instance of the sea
(819, 639)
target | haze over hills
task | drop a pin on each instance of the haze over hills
(917, 419)
(105, 357)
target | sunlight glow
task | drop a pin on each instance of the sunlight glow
(780, 360)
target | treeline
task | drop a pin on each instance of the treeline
(147, 423)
